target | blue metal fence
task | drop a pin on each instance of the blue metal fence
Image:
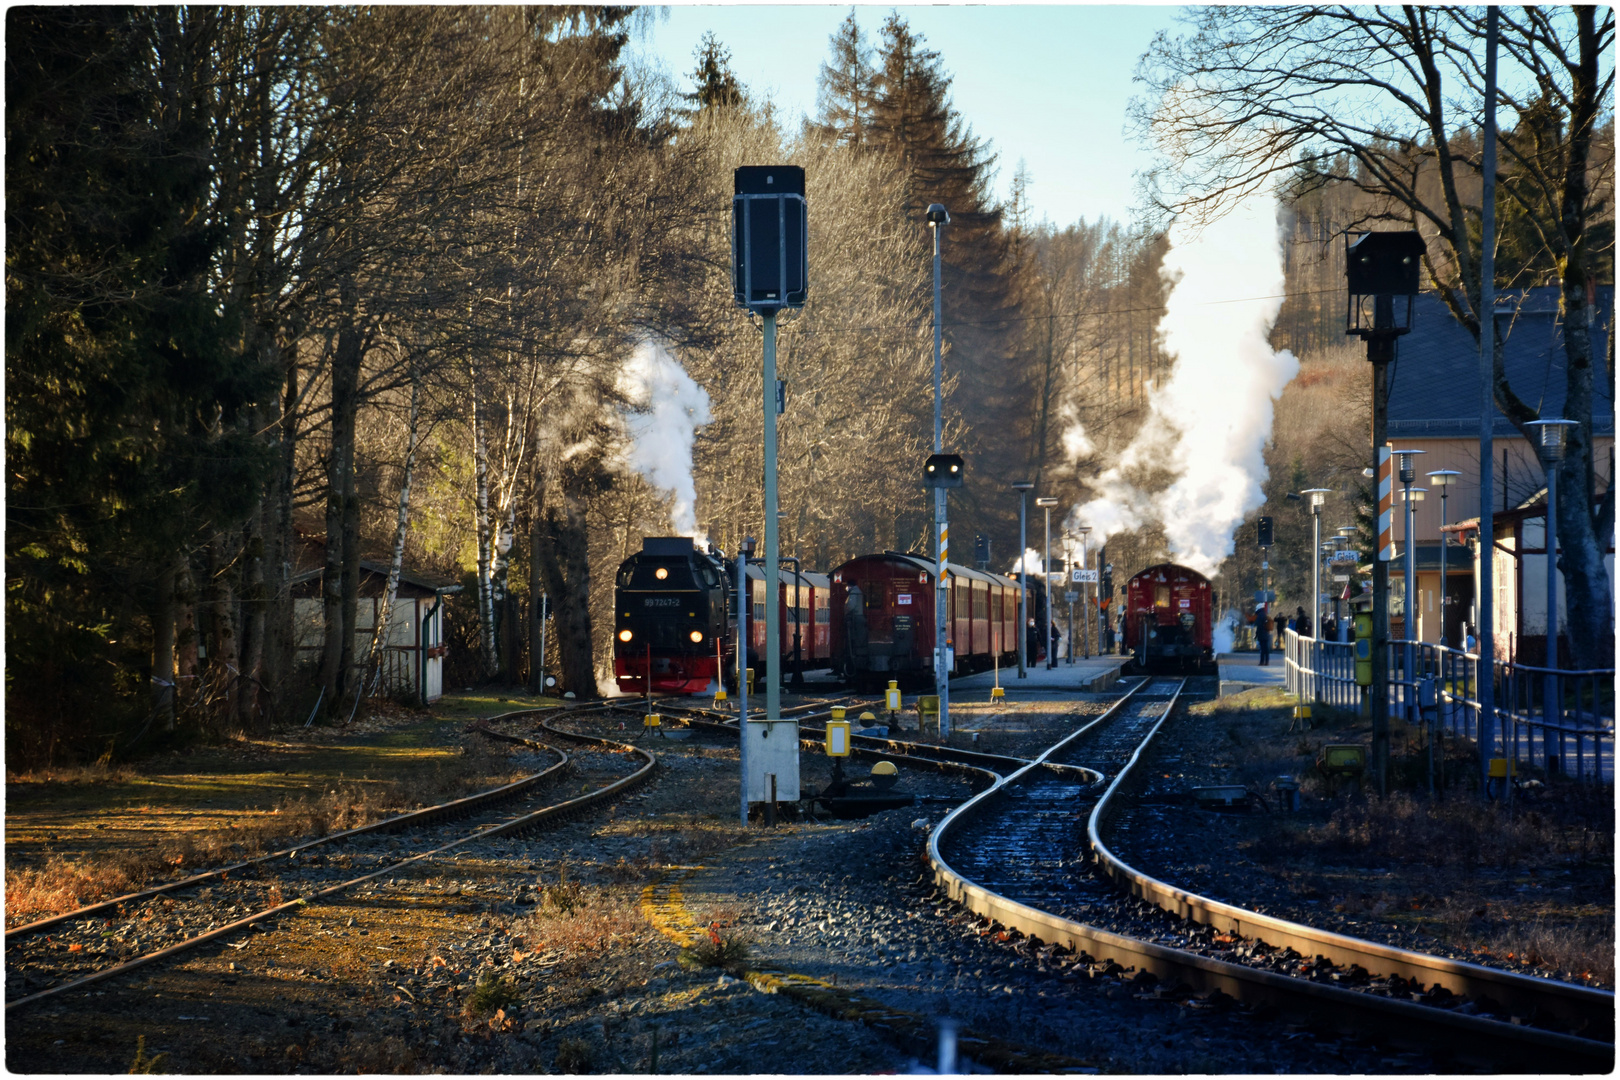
(1562, 721)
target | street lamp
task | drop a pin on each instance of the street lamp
(1407, 472)
(938, 217)
(1443, 479)
(1046, 502)
(1553, 436)
(1085, 601)
(1023, 487)
(1318, 498)
(1380, 268)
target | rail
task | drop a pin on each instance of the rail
(1561, 721)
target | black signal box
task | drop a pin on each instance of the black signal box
(943, 471)
(1384, 264)
(770, 223)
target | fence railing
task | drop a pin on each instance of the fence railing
(1562, 721)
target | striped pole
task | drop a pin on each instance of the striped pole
(1386, 504)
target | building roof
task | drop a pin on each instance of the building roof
(1434, 383)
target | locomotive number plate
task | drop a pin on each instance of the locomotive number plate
(660, 601)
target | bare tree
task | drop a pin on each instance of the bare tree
(1386, 99)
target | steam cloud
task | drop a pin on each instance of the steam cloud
(667, 409)
(1208, 424)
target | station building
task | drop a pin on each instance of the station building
(1434, 407)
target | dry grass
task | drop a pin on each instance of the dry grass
(1585, 952)
(583, 922)
(1459, 831)
(63, 884)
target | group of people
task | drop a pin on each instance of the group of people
(1298, 622)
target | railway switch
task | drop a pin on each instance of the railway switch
(891, 697)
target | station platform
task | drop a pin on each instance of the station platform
(1242, 671)
(1083, 676)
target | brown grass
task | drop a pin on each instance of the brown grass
(64, 884)
(583, 922)
(1458, 831)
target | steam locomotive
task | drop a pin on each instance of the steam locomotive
(675, 619)
(673, 622)
(1168, 620)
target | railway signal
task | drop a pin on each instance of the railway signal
(1379, 269)
(770, 257)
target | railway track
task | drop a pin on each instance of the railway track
(986, 768)
(156, 924)
(1029, 854)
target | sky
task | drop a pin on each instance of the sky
(1047, 84)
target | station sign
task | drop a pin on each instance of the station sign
(1083, 577)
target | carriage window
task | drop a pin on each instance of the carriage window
(822, 614)
(1161, 596)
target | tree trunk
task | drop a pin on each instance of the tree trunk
(486, 601)
(280, 648)
(223, 665)
(567, 574)
(250, 705)
(337, 609)
(163, 614)
(385, 615)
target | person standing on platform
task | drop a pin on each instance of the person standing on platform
(1262, 636)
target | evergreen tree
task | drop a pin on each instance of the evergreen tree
(125, 373)
(717, 85)
(847, 89)
(941, 161)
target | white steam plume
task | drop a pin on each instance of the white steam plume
(667, 409)
(1209, 423)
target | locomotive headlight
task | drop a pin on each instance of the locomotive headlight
(661, 573)
(696, 636)
(625, 635)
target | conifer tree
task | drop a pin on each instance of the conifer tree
(847, 88)
(717, 85)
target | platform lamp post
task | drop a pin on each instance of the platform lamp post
(1406, 472)
(1554, 434)
(1023, 487)
(1443, 479)
(1085, 601)
(1318, 496)
(771, 271)
(1046, 502)
(1347, 535)
(1380, 268)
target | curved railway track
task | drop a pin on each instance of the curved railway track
(1029, 854)
(236, 898)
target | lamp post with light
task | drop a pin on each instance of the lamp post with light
(1023, 487)
(1046, 502)
(1554, 433)
(1407, 472)
(1443, 479)
(1318, 498)
(1379, 268)
(1085, 599)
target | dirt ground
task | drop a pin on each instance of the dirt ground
(1529, 886)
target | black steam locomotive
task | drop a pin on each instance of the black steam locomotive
(673, 619)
